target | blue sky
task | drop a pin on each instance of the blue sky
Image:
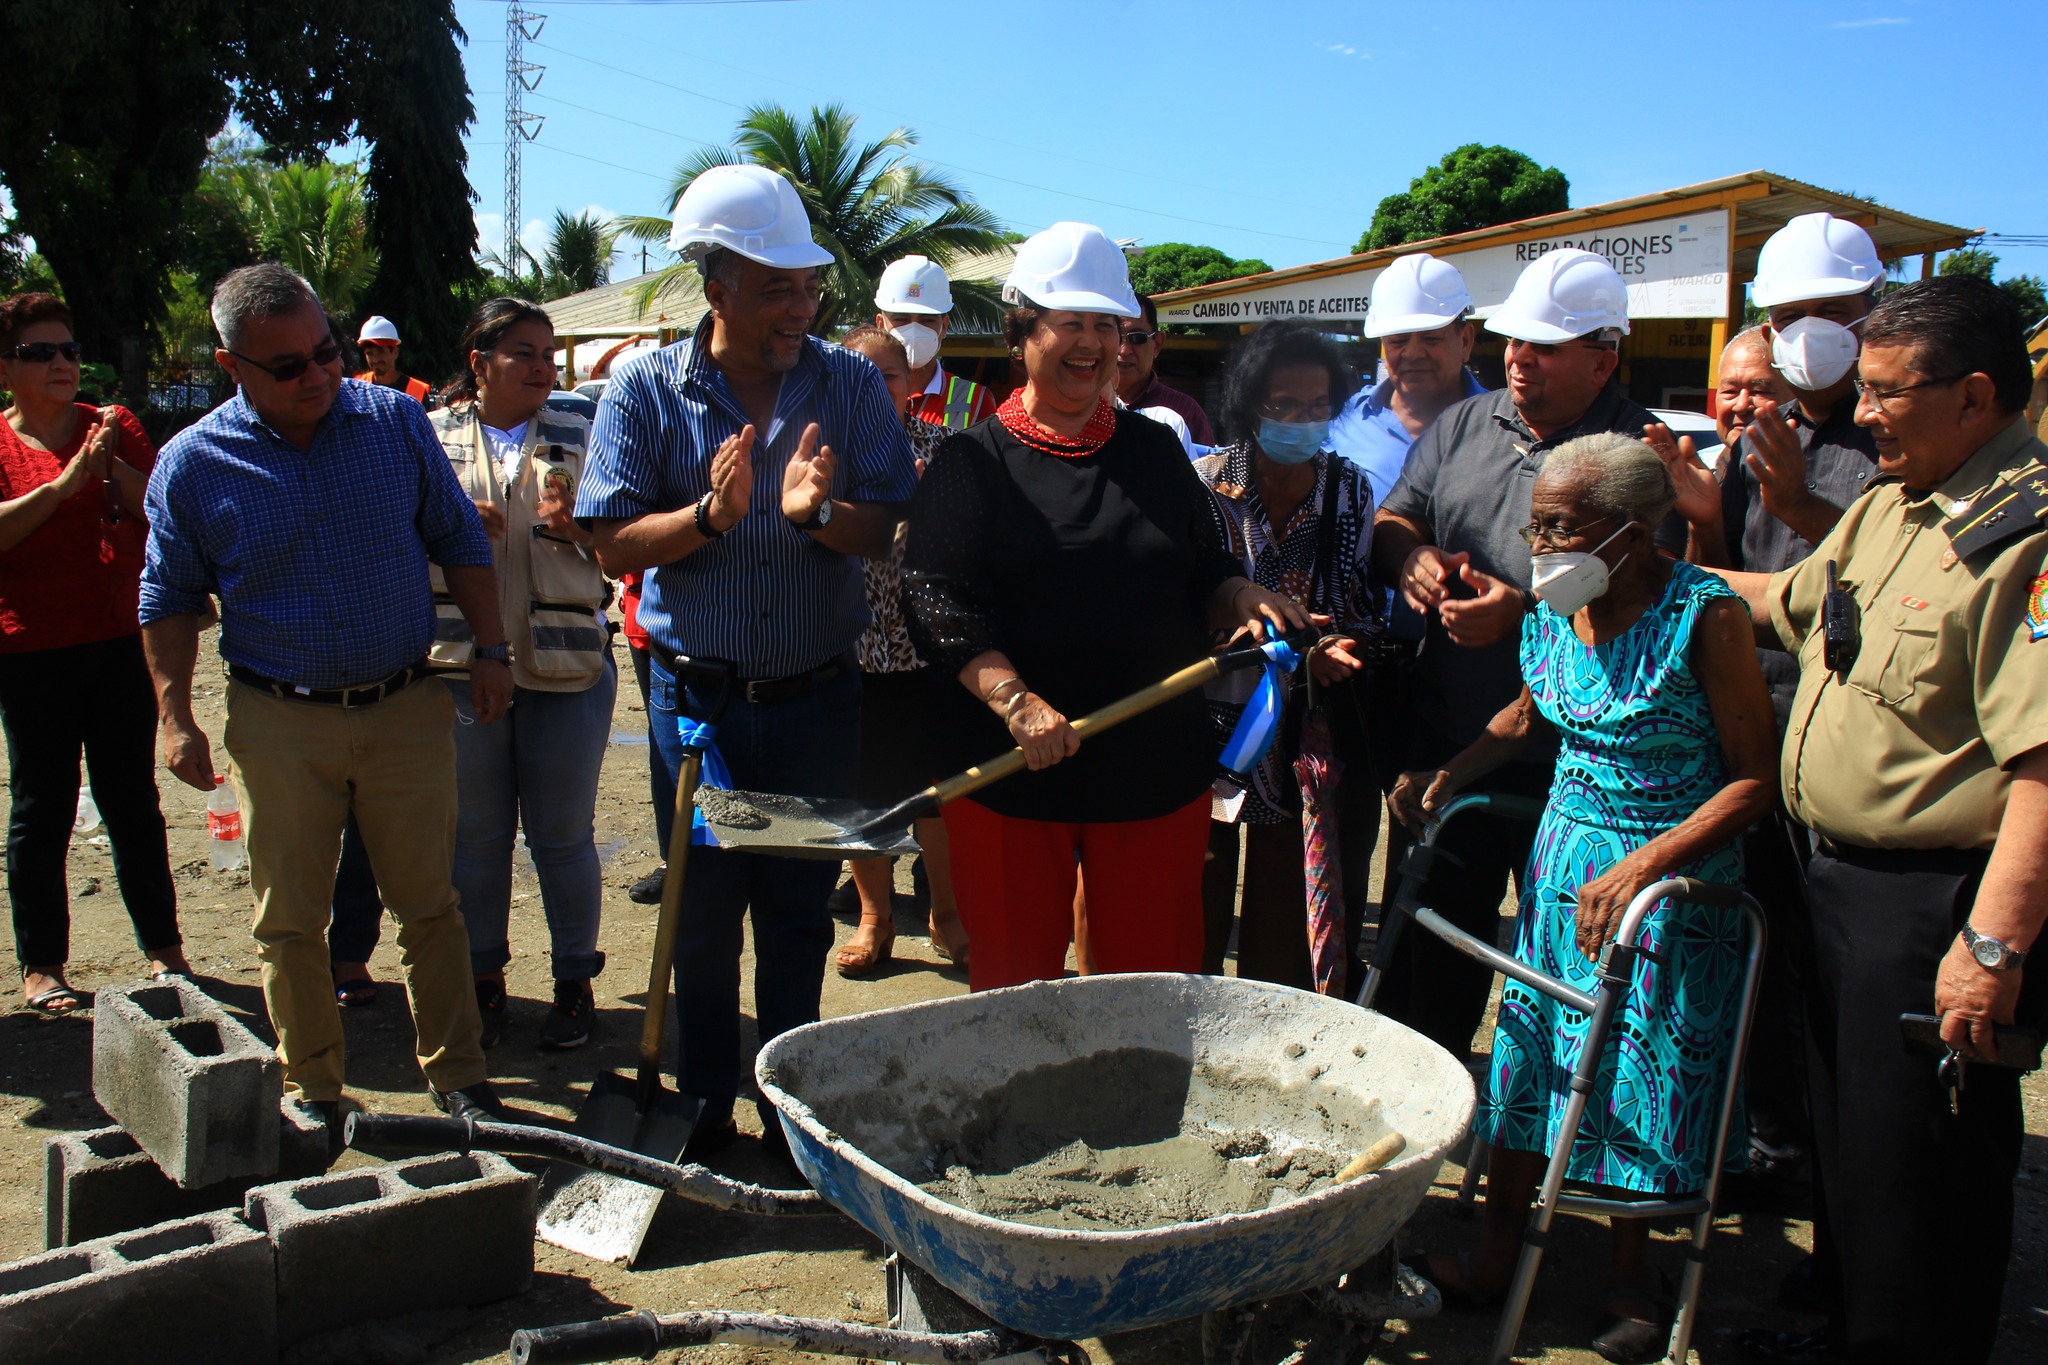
(1273, 129)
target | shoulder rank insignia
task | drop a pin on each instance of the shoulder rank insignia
(2037, 608)
(2009, 509)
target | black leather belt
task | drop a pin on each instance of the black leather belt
(758, 691)
(369, 694)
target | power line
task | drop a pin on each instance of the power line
(966, 170)
(521, 77)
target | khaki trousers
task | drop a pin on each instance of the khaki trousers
(300, 768)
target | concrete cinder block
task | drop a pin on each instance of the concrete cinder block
(197, 1090)
(434, 1232)
(200, 1290)
(99, 1183)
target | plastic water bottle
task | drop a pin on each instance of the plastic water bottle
(87, 821)
(224, 828)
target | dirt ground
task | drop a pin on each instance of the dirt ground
(816, 1267)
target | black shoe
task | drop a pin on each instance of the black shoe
(490, 1003)
(647, 891)
(1800, 1290)
(1788, 1348)
(712, 1135)
(328, 1112)
(568, 1023)
(477, 1101)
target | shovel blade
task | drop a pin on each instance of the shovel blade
(821, 827)
(599, 1215)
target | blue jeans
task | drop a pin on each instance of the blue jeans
(661, 779)
(536, 768)
(808, 746)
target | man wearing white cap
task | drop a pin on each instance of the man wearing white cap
(378, 341)
(912, 301)
(1450, 537)
(1420, 313)
(742, 470)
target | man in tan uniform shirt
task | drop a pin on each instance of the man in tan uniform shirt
(1920, 766)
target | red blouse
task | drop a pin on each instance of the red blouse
(76, 578)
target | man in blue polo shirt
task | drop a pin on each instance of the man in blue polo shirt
(743, 470)
(310, 506)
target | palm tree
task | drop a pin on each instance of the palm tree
(578, 256)
(869, 204)
(313, 217)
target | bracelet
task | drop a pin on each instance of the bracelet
(1016, 704)
(989, 698)
(703, 519)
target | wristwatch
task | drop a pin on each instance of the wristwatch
(1993, 955)
(500, 653)
(818, 520)
(702, 517)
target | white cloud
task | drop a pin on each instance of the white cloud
(1347, 50)
(1885, 22)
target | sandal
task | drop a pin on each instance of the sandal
(856, 961)
(945, 933)
(1458, 1287)
(356, 992)
(57, 1002)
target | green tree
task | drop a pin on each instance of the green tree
(2026, 291)
(314, 218)
(1473, 187)
(110, 108)
(1179, 265)
(869, 203)
(578, 256)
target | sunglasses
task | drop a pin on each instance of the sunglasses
(43, 352)
(1136, 336)
(292, 369)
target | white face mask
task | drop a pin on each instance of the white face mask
(920, 343)
(1569, 579)
(1813, 353)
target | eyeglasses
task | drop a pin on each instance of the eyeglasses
(1557, 537)
(1136, 336)
(1879, 397)
(322, 356)
(1296, 412)
(43, 352)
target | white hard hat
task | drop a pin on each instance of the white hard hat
(377, 327)
(914, 284)
(1561, 295)
(749, 210)
(1815, 256)
(1416, 293)
(1073, 266)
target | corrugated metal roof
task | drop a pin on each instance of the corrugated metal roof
(609, 310)
(1771, 201)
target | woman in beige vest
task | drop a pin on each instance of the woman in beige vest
(537, 770)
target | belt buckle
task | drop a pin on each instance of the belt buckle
(754, 698)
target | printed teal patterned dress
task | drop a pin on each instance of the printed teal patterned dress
(1638, 754)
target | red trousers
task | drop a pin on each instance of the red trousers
(1015, 883)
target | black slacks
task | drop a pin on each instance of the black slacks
(1430, 986)
(1774, 1073)
(1919, 1200)
(95, 699)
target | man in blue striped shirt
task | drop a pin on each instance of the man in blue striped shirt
(310, 506)
(744, 469)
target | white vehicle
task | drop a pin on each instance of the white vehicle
(1706, 437)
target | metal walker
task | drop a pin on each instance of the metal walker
(1617, 966)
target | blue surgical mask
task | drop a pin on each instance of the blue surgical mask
(1292, 442)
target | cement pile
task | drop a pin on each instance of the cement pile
(1137, 1138)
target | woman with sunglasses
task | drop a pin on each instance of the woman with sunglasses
(537, 770)
(1644, 672)
(72, 677)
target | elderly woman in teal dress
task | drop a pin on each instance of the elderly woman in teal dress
(1643, 672)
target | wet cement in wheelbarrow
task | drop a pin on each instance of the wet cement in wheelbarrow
(1139, 1138)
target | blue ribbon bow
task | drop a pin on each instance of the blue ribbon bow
(1260, 722)
(702, 735)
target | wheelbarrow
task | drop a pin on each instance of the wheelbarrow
(871, 1102)
(1616, 978)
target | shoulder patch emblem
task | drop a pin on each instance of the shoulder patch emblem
(2037, 608)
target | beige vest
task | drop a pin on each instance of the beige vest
(550, 591)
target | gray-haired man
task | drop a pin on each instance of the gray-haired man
(309, 505)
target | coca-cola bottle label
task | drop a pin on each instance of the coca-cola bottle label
(224, 825)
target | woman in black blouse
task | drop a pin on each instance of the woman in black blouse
(1061, 555)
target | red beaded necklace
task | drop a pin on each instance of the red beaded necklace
(1020, 424)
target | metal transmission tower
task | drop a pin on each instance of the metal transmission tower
(521, 77)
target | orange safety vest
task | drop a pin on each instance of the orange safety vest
(415, 389)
